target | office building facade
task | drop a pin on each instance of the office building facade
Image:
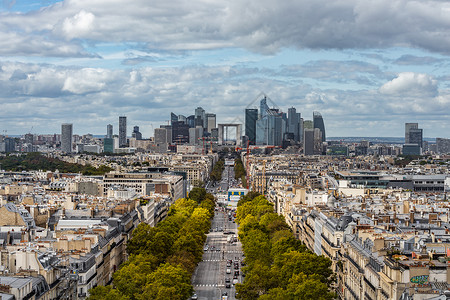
(109, 131)
(66, 137)
(211, 122)
(408, 128)
(122, 132)
(318, 123)
(251, 115)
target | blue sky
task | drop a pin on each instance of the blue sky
(367, 66)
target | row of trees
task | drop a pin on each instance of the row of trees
(163, 258)
(37, 161)
(239, 171)
(278, 266)
(216, 173)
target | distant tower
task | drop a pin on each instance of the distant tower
(308, 142)
(251, 115)
(408, 128)
(211, 121)
(122, 131)
(136, 133)
(294, 123)
(200, 117)
(318, 123)
(263, 107)
(66, 138)
(109, 131)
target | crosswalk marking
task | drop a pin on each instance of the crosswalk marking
(209, 285)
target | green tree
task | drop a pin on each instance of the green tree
(304, 287)
(125, 279)
(308, 263)
(197, 194)
(168, 282)
(105, 293)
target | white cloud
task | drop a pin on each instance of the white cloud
(79, 25)
(411, 84)
(263, 26)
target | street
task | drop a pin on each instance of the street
(209, 277)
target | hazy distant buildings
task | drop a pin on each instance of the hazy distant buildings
(442, 145)
(66, 138)
(122, 132)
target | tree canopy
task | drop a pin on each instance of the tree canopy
(163, 258)
(278, 266)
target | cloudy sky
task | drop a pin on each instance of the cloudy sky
(367, 66)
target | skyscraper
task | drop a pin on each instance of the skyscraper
(173, 118)
(294, 123)
(308, 142)
(200, 118)
(251, 115)
(161, 136)
(416, 136)
(66, 138)
(122, 131)
(211, 121)
(263, 107)
(318, 123)
(136, 133)
(109, 131)
(408, 128)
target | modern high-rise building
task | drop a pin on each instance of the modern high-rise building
(66, 138)
(180, 132)
(251, 115)
(318, 123)
(442, 145)
(263, 107)
(173, 118)
(181, 118)
(10, 144)
(109, 131)
(294, 123)
(122, 132)
(161, 136)
(108, 145)
(308, 142)
(191, 121)
(195, 134)
(168, 133)
(416, 136)
(211, 121)
(408, 128)
(136, 133)
(200, 117)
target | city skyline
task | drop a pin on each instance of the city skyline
(85, 64)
